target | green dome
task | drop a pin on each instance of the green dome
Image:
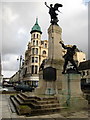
(36, 27)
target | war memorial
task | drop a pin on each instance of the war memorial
(59, 88)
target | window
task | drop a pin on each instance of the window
(37, 42)
(36, 59)
(33, 83)
(32, 69)
(36, 68)
(33, 50)
(32, 59)
(34, 36)
(37, 35)
(34, 42)
(44, 52)
(45, 45)
(36, 50)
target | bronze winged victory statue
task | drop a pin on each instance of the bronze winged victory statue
(52, 12)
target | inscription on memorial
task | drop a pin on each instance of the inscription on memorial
(49, 74)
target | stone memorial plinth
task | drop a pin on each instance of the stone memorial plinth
(45, 87)
(54, 37)
(47, 83)
(42, 85)
(72, 96)
(55, 61)
(71, 84)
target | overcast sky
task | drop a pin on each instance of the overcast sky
(18, 17)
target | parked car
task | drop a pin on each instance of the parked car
(3, 89)
(23, 87)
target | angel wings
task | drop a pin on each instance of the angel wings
(52, 12)
(56, 6)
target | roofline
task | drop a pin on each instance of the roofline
(36, 31)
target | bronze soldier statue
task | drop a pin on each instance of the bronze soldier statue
(42, 65)
(69, 57)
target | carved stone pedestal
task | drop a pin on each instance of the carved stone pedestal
(72, 95)
(50, 87)
(55, 61)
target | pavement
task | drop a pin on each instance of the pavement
(7, 112)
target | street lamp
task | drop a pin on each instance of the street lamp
(20, 61)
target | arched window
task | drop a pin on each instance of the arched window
(45, 45)
(37, 42)
(36, 50)
(44, 52)
(32, 59)
(36, 59)
(34, 36)
(37, 35)
(33, 50)
(33, 42)
(36, 69)
(32, 69)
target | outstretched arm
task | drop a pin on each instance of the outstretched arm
(46, 4)
(63, 45)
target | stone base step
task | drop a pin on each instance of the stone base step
(26, 110)
(28, 96)
(45, 111)
(21, 109)
(20, 101)
(25, 99)
(38, 97)
(34, 105)
(43, 101)
(12, 107)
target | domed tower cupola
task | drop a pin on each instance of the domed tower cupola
(36, 27)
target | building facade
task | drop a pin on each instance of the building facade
(84, 67)
(36, 52)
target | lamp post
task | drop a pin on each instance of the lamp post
(20, 61)
(1, 76)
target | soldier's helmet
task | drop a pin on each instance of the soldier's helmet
(74, 46)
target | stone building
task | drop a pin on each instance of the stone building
(36, 52)
(15, 78)
(79, 57)
(84, 67)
